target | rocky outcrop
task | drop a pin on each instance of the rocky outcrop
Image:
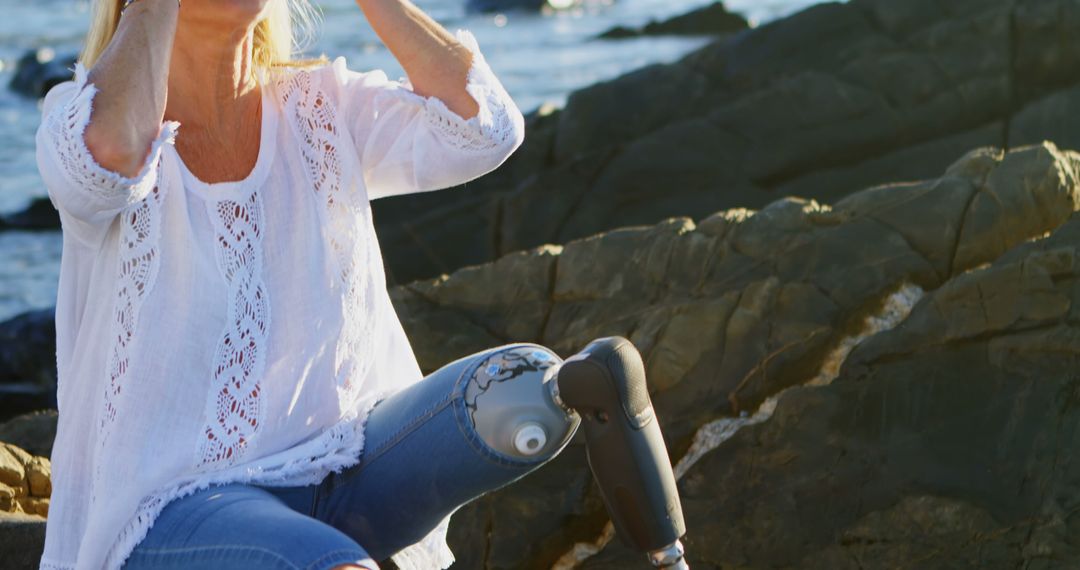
(25, 481)
(944, 443)
(504, 5)
(25, 487)
(22, 540)
(729, 312)
(713, 19)
(39, 70)
(820, 104)
(27, 363)
(40, 214)
(33, 432)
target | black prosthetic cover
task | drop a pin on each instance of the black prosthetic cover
(605, 384)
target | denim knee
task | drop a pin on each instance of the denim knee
(242, 527)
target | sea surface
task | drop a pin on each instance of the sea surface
(540, 57)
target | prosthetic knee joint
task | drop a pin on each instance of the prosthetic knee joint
(603, 388)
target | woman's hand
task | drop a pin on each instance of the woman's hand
(132, 78)
(436, 63)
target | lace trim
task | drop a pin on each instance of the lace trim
(498, 121)
(137, 271)
(336, 449)
(347, 218)
(234, 410)
(67, 125)
(46, 565)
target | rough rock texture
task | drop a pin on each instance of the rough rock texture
(713, 19)
(823, 103)
(33, 432)
(504, 5)
(25, 485)
(947, 442)
(22, 540)
(37, 71)
(25, 488)
(40, 214)
(27, 363)
(727, 312)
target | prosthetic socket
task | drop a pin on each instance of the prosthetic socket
(602, 388)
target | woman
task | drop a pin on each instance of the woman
(224, 331)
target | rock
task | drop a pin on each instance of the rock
(39, 70)
(22, 540)
(39, 215)
(728, 312)
(23, 477)
(7, 498)
(26, 347)
(34, 505)
(33, 432)
(19, 397)
(505, 5)
(910, 164)
(821, 104)
(39, 475)
(27, 363)
(12, 466)
(713, 19)
(944, 443)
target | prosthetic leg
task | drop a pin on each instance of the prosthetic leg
(603, 388)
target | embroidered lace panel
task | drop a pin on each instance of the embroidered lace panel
(137, 270)
(234, 409)
(347, 218)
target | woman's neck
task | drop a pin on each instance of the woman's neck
(211, 80)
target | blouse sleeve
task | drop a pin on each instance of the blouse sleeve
(79, 187)
(411, 143)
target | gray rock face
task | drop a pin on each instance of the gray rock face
(22, 540)
(728, 313)
(33, 432)
(944, 443)
(27, 363)
(713, 19)
(39, 70)
(25, 488)
(39, 215)
(819, 105)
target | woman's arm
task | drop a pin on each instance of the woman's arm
(131, 79)
(436, 63)
(450, 121)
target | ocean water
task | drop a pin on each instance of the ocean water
(539, 56)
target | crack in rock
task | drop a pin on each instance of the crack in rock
(582, 551)
(896, 308)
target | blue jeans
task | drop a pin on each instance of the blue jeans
(422, 460)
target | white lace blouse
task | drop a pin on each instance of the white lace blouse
(238, 331)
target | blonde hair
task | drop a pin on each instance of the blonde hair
(285, 31)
